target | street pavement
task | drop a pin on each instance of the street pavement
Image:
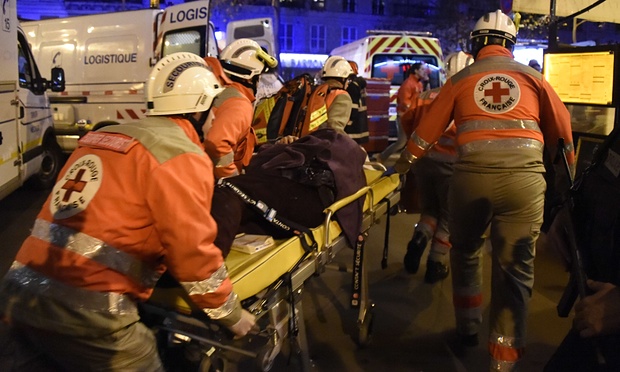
(413, 321)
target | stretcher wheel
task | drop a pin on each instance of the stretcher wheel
(212, 364)
(365, 326)
(265, 358)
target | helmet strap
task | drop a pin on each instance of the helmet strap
(251, 84)
(198, 124)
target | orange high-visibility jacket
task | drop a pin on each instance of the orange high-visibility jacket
(445, 148)
(230, 141)
(408, 92)
(132, 201)
(503, 112)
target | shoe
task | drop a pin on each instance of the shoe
(435, 271)
(415, 249)
(463, 345)
(468, 340)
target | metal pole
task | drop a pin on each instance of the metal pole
(276, 30)
(553, 27)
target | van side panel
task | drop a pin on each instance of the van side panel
(107, 59)
(9, 155)
(9, 171)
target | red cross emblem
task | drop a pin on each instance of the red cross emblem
(75, 184)
(496, 92)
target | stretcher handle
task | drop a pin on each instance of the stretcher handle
(337, 205)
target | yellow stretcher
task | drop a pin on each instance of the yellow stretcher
(270, 284)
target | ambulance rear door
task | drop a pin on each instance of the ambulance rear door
(257, 29)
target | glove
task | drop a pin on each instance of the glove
(403, 164)
(244, 325)
(287, 140)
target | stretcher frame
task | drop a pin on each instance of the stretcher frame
(278, 305)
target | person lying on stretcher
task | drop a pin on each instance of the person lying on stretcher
(297, 180)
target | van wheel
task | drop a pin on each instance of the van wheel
(51, 164)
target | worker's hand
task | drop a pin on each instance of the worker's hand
(403, 164)
(244, 325)
(287, 140)
(598, 313)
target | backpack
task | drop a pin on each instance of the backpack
(297, 109)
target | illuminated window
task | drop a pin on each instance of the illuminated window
(348, 6)
(286, 37)
(317, 4)
(183, 41)
(378, 7)
(317, 39)
(349, 34)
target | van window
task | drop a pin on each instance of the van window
(394, 66)
(25, 72)
(249, 32)
(29, 77)
(183, 41)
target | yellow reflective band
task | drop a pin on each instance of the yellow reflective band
(318, 117)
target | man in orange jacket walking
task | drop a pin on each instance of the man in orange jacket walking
(432, 174)
(132, 202)
(505, 113)
(407, 96)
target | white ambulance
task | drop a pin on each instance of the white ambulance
(107, 58)
(388, 54)
(28, 149)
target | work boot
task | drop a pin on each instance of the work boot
(415, 249)
(435, 271)
(469, 340)
(463, 345)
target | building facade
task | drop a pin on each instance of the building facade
(307, 30)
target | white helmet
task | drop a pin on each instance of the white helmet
(336, 67)
(181, 83)
(456, 62)
(493, 28)
(244, 58)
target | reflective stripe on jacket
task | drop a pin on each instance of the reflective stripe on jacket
(499, 106)
(132, 201)
(444, 150)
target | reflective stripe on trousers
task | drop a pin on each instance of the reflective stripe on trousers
(512, 203)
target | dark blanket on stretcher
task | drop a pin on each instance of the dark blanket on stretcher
(288, 179)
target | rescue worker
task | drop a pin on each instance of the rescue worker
(357, 127)
(132, 202)
(407, 95)
(230, 140)
(433, 172)
(335, 73)
(504, 113)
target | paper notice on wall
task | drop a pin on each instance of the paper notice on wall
(581, 77)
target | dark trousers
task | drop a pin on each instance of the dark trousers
(577, 354)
